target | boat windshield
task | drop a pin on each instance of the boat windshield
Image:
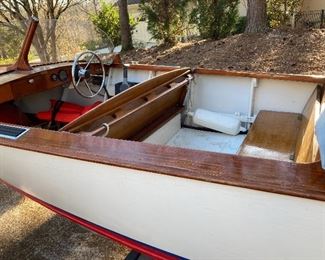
(54, 41)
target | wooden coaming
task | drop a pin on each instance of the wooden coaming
(302, 180)
(262, 75)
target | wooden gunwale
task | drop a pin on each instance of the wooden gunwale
(262, 75)
(16, 75)
(287, 178)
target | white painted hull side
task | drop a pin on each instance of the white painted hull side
(192, 219)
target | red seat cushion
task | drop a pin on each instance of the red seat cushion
(66, 117)
(67, 112)
(67, 107)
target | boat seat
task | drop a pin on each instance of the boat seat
(285, 136)
(273, 135)
(64, 112)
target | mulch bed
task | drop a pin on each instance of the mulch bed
(280, 51)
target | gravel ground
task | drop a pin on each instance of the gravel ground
(30, 231)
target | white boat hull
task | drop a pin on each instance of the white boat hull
(188, 218)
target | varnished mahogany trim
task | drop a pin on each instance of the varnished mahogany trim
(9, 77)
(148, 67)
(6, 93)
(301, 180)
(22, 61)
(249, 74)
(262, 75)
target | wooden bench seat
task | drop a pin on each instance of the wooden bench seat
(273, 136)
(285, 136)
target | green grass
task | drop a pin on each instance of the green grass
(7, 61)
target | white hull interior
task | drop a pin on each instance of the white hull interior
(172, 134)
(240, 97)
(223, 94)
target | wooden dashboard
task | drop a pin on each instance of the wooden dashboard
(18, 84)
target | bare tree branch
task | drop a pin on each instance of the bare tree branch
(15, 13)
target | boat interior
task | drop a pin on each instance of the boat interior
(260, 115)
(240, 115)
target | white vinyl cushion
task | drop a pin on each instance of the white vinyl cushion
(320, 133)
(216, 121)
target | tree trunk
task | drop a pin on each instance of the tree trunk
(256, 16)
(126, 36)
(41, 46)
(51, 32)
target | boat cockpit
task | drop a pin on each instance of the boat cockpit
(240, 113)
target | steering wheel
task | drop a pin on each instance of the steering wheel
(82, 76)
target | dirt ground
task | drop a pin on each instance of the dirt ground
(282, 51)
(30, 231)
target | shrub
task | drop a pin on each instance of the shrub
(215, 18)
(10, 42)
(241, 25)
(280, 11)
(107, 22)
(166, 19)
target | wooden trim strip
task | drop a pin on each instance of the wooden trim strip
(249, 74)
(148, 67)
(301, 180)
(22, 62)
(8, 77)
(262, 75)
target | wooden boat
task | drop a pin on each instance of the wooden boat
(137, 169)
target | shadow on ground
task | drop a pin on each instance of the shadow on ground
(58, 238)
(30, 231)
(8, 198)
